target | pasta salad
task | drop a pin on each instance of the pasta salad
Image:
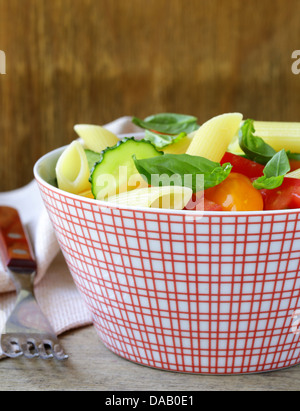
(225, 164)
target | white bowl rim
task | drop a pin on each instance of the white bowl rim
(106, 204)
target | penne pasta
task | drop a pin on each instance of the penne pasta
(168, 197)
(113, 184)
(72, 170)
(294, 174)
(234, 146)
(95, 138)
(213, 137)
(279, 135)
(180, 147)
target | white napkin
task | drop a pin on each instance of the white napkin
(54, 287)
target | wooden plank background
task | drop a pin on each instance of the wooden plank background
(76, 61)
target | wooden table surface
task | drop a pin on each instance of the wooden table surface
(92, 367)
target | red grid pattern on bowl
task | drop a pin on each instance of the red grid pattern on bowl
(213, 295)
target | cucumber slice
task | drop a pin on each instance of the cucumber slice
(116, 173)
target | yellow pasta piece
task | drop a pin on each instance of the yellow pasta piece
(180, 147)
(95, 138)
(213, 137)
(234, 146)
(294, 174)
(167, 197)
(279, 135)
(72, 170)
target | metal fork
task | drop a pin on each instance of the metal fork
(27, 331)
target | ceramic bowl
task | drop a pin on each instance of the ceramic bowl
(204, 293)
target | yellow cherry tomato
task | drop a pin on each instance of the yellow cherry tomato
(236, 193)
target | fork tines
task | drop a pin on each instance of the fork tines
(14, 346)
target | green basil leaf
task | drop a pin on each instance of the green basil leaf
(254, 147)
(168, 123)
(162, 140)
(279, 165)
(274, 172)
(92, 157)
(268, 182)
(293, 156)
(183, 170)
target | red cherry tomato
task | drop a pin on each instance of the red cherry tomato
(243, 165)
(286, 196)
(295, 164)
(198, 203)
(236, 193)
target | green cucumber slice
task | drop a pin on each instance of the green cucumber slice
(116, 171)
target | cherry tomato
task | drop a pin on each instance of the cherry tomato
(295, 164)
(236, 193)
(243, 165)
(286, 196)
(211, 205)
(198, 203)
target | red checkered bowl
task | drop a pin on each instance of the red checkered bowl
(209, 293)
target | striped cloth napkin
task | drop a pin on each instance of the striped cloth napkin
(54, 287)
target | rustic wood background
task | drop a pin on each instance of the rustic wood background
(76, 61)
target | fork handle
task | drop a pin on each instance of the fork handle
(15, 249)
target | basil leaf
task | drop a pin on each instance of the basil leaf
(293, 156)
(168, 123)
(268, 182)
(92, 157)
(254, 147)
(183, 170)
(166, 128)
(274, 172)
(279, 165)
(162, 140)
